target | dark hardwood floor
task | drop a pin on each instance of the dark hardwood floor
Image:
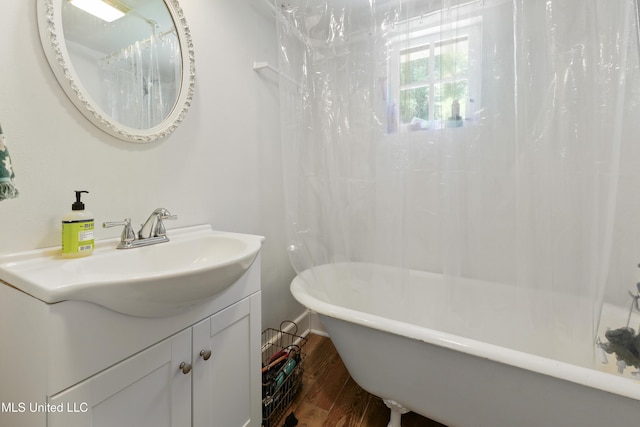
(330, 398)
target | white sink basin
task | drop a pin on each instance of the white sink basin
(150, 281)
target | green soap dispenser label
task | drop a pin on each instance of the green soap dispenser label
(77, 236)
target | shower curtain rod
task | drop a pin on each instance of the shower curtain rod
(144, 41)
(272, 5)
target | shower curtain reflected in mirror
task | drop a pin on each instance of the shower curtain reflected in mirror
(488, 140)
(137, 91)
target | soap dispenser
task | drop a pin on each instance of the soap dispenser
(77, 230)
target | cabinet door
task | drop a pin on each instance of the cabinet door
(226, 386)
(146, 390)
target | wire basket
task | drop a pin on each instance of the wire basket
(282, 368)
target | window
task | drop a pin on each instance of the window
(434, 76)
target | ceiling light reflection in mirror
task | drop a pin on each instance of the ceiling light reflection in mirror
(104, 9)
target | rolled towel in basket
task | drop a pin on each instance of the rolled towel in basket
(8, 189)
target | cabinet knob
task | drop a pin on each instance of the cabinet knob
(185, 367)
(206, 354)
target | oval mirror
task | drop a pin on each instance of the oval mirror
(127, 65)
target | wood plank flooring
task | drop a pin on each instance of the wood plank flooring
(330, 398)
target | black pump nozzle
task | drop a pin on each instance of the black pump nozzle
(78, 205)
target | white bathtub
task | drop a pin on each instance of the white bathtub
(394, 346)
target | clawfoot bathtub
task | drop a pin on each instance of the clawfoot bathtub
(394, 346)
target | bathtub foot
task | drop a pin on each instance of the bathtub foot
(396, 412)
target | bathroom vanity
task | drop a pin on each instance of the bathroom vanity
(78, 364)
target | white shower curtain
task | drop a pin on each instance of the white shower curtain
(489, 140)
(139, 89)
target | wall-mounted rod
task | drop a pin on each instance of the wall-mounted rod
(257, 66)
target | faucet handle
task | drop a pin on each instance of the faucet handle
(128, 235)
(163, 213)
(160, 230)
(168, 216)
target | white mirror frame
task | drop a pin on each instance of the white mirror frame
(52, 38)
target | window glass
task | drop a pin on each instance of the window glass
(414, 103)
(434, 77)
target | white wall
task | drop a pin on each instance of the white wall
(222, 166)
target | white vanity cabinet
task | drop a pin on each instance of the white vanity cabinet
(209, 366)
(146, 390)
(87, 366)
(227, 382)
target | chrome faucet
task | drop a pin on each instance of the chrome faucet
(154, 227)
(151, 232)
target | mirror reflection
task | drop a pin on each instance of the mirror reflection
(127, 57)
